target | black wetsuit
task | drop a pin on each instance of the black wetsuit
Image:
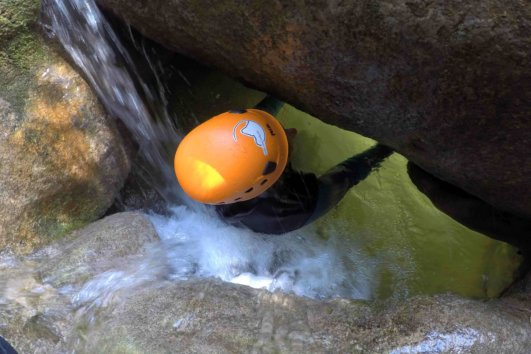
(284, 207)
(299, 198)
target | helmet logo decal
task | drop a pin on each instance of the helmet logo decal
(252, 130)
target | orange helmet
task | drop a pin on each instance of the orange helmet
(232, 157)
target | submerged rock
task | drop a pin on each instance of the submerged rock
(62, 158)
(445, 83)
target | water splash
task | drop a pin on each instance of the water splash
(300, 262)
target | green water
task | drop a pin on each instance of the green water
(417, 249)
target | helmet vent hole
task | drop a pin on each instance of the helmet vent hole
(237, 199)
(269, 167)
(249, 190)
(263, 182)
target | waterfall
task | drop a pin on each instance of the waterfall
(97, 51)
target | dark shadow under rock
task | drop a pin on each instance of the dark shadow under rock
(472, 211)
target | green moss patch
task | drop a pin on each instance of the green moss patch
(17, 16)
(22, 50)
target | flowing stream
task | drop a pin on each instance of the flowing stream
(385, 240)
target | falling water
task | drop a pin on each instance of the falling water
(95, 48)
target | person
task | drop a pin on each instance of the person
(238, 162)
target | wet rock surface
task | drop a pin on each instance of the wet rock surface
(210, 316)
(445, 83)
(62, 158)
(91, 292)
(46, 299)
(97, 247)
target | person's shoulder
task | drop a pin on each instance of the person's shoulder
(291, 173)
(296, 180)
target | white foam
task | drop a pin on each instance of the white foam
(197, 244)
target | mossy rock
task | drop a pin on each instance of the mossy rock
(63, 160)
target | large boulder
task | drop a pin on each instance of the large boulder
(212, 317)
(446, 83)
(62, 158)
